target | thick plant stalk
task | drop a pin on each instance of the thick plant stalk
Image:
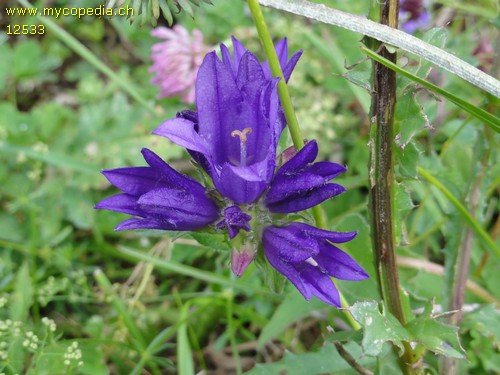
(382, 179)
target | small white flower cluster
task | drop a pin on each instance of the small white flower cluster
(73, 354)
(10, 328)
(3, 350)
(49, 323)
(78, 277)
(31, 341)
(37, 166)
(52, 287)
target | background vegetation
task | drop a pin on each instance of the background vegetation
(75, 297)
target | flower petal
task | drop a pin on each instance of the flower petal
(339, 264)
(290, 245)
(250, 71)
(136, 223)
(133, 180)
(242, 184)
(321, 285)
(322, 234)
(120, 203)
(181, 132)
(326, 169)
(167, 176)
(304, 200)
(288, 271)
(305, 156)
(184, 209)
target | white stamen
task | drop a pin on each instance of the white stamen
(312, 262)
(243, 143)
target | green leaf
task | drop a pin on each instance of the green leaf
(184, 353)
(361, 78)
(407, 158)
(214, 241)
(292, 309)
(464, 212)
(435, 336)
(485, 320)
(402, 204)
(487, 118)
(408, 118)
(22, 298)
(325, 361)
(379, 327)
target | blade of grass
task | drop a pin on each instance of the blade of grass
(136, 337)
(487, 118)
(90, 57)
(185, 364)
(190, 271)
(475, 226)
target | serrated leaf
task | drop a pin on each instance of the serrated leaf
(403, 204)
(408, 118)
(360, 78)
(407, 158)
(324, 361)
(485, 320)
(214, 241)
(436, 36)
(435, 336)
(379, 327)
(293, 308)
(487, 118)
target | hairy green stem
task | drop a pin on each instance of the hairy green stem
(291, 118)
(382, 180)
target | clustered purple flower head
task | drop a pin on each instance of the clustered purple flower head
(233, 136)
(413, 15)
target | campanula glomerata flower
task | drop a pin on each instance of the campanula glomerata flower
(159, 197)
(176, 61)
(237, 125)
(307, 257)
(233, 136)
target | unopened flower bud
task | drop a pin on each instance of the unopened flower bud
(241, 258)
